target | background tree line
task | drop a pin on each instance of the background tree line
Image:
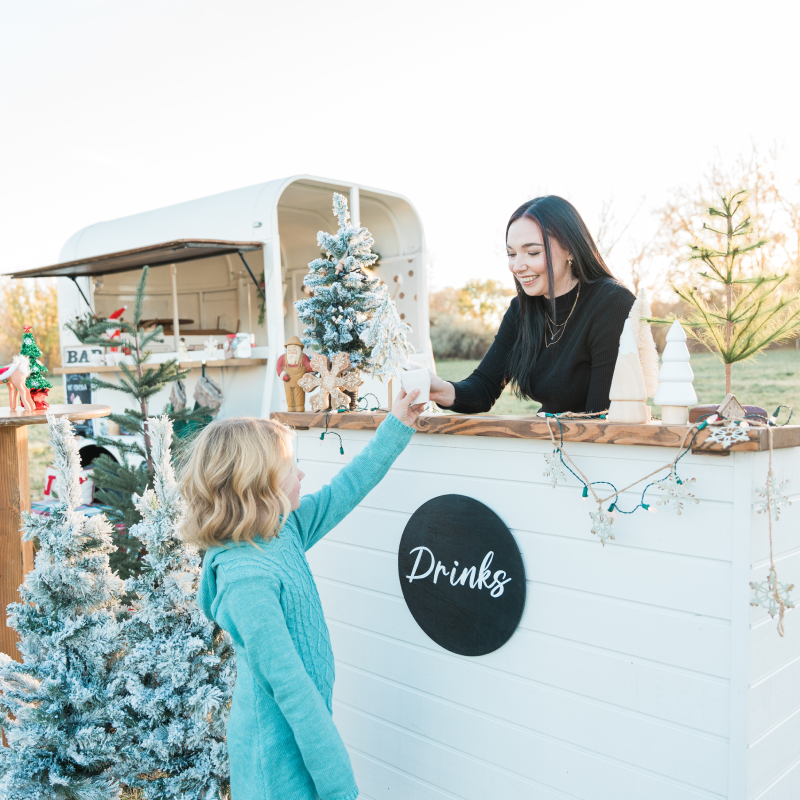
(464, 321)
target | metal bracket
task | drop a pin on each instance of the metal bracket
(77, 286)
(258, 285)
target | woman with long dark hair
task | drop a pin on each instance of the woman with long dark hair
(558, 341)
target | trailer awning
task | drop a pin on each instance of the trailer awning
(152, 255)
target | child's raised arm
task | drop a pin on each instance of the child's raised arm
(324, 510)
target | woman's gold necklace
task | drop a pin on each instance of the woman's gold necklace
(554, 329)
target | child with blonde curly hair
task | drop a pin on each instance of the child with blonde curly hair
(242, 489)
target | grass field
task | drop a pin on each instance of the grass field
(772, 379)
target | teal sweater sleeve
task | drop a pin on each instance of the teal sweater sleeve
(324, 510)
(253, 616)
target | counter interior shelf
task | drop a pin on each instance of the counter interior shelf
(225, 363)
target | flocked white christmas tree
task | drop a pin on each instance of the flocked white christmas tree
(343, 295)
(54, 707)
(628, 393)
(675, 391)
(386, 337)
(643, 334)
(172, 687)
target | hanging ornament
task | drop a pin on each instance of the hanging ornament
(601, 525)
(772, 596)
(728, 434)
(553, 469)
(776, 496)
(677, 492)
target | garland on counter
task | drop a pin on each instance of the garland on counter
(770, 594)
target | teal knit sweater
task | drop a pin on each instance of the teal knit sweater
(282, 742)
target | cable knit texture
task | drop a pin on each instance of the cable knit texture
(572, 375)
(282, 742)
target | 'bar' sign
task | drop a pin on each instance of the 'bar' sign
(462, 575)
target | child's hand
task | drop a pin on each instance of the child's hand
(404, 411)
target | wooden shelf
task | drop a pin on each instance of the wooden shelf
(226, 363)
(654, 434)
(76, 411)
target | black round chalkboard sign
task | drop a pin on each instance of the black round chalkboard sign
(462, 575)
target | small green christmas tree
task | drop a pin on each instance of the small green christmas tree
(343, 295)
(117, 482)
(36, 382)
(756, 312)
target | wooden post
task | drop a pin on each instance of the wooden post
(176, 329)
(16, 556)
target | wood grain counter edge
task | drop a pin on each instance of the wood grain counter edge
(600, 431)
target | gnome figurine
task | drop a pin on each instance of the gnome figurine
(292, 367)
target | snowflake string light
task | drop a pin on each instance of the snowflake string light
(553, 469)
(728, 434)
(771, 595)
(677, 492)
(776, 496)
(601, 525)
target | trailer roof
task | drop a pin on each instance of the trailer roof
(152, 255)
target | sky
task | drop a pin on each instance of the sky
(467, 108)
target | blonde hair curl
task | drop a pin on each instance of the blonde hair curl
(231, 480)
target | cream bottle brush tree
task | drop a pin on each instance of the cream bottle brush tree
(757, 311)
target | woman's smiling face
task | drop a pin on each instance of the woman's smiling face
(528, 262)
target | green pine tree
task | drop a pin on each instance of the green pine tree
(757, 312)
(36, 382)
(117, 482)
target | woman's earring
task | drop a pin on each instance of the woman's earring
(569, 263)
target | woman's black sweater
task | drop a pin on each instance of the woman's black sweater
(574, 374)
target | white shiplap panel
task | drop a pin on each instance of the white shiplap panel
(704, 530)
(672, 638)
(378, 781)
(692, 585)
(664, 750)
(784, 787)
(773, 754)
(770, 652)
(674, 696)
(771, 699)
(712, 482)
(555, 765)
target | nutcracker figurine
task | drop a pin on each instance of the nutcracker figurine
(292, 367)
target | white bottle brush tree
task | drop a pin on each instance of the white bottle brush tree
(172, 687)
(385, 335)
(55, 716)
(343, 294)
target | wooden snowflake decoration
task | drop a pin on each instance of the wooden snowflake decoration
(728, 434)
(677, 492)
(776, 496)
(330, 382)
(601, 525)
(771, 595)
(553, 469)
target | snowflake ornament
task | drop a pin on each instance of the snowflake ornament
(677, 492)
(776, 496)
(601, 525)
(330, 382)
(553, 469)
(771, 595)
(728, 434)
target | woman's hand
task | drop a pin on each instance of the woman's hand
(442, 392)
(404, 411)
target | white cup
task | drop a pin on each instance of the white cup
(417, 379)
